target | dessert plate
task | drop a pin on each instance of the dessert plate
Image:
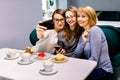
(22, 62)
(13, 57)
(62, 61)
(47, 56)
(42, 71)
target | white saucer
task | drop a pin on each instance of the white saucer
(42, 71)
(48, 55)
(24, 62)
(13, 57)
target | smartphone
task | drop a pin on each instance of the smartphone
(57, 47)
(49, 24)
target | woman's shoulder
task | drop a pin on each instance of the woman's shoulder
(61, 32)
(95, 29)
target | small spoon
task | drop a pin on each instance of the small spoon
(43, 70)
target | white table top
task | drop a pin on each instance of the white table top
(73, 69)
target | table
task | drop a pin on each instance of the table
(73, 69)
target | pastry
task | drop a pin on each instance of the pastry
(41, 55)
(28, 50)
(59, 57)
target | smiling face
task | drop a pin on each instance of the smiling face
(86, 17)
(83, 20)
(70, 18)
(58, 19)
(59, 22)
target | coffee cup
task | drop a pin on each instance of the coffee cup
(48, 66)
(11, 53)
(25, 57)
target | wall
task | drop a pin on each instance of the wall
(108, 10)
(62, 4)
(100, 5)
(17, 19)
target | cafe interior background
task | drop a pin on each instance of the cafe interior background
(19, 17)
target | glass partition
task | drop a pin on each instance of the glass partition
(48, 7)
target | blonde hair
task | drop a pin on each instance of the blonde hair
(90, 12)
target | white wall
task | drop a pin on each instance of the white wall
(17, 19)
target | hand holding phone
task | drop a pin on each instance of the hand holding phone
(48, 24)
(59, 50)
(57, 47)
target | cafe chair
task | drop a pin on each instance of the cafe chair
(33, 36)
(113, 38)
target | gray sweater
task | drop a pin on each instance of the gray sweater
(96, 48)
(68, 46)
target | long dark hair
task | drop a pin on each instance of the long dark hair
(67, 31)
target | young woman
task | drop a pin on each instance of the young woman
(48, 38)
(68, 37)
(93, 45)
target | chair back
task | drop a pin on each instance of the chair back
(113, 38)
(33, 37)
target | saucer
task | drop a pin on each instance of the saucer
(22, 62)
(12, 57)
(42, 71)
(62, 61)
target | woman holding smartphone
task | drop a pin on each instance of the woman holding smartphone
(48, 38)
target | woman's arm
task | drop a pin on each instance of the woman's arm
(80, 48)
(40, 30)
(95, 44)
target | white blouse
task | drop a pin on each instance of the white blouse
(48, 43)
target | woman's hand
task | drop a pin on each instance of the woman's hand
(85, 36)
(60, 51)
(40, 31)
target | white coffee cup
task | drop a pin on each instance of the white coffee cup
(25, 57)
(11, 53)
(48, 66)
